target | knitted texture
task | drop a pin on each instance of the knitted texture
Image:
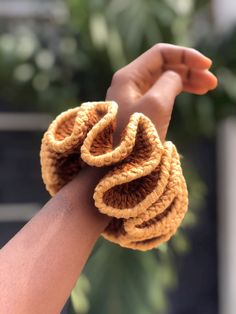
(144, 191)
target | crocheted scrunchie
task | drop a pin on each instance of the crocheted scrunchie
(145, 191)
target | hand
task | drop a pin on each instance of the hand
(52, 248)
(151, 83)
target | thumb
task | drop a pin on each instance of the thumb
(157, 103)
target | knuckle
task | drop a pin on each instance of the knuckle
(172, 75)
(154, 99)
(159, 46)
(109, 93)
(174, 79)
(118, 76)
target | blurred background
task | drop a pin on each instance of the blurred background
(56, 54)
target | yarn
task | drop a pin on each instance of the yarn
(144, 191)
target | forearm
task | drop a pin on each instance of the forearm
(40, 265)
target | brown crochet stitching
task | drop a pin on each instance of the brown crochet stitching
(145, 191)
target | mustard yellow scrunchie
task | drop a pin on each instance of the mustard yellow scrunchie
(145, 191)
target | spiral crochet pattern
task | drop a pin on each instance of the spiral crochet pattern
(144, 191)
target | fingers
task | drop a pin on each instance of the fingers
(190, 57)
(199, 82)
(158, 101)
(195, 81)
(151, 82)
(143, 72)
(162, 55)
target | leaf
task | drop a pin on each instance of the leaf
(79, 297)
(180, 242)
(126, 281)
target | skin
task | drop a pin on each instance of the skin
(39, 266)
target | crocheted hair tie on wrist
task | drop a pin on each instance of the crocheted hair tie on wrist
(144, 191)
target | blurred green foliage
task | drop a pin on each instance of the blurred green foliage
(126, 281)
(50, 67)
